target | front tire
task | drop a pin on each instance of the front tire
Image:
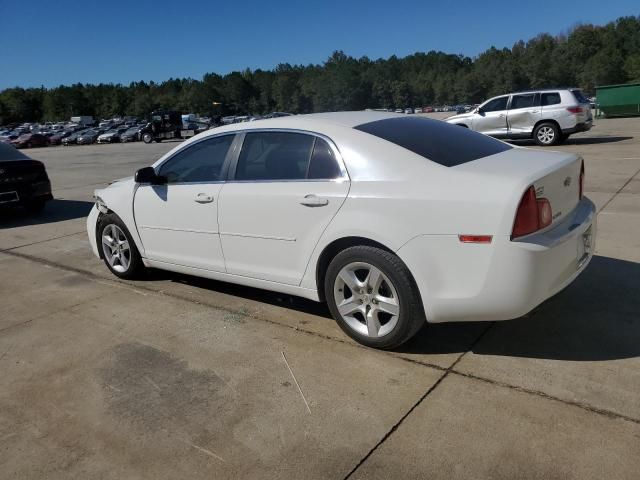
(373, 297)
(118, 249)
(147, 138)
(546, 134)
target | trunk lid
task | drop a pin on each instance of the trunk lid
(554, 176)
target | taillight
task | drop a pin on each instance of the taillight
(575, 109)
(581, 180)
(532, 215)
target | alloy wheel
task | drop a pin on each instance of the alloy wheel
(546, 135)
(366, 299)
(116, 249)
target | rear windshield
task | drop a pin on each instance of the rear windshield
(580, 96)
(435, 140)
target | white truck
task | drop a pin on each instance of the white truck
(83, 120)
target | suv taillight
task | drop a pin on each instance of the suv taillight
(532, 215)
(575, 109)
(581, 180)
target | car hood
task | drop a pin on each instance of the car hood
(461, 116)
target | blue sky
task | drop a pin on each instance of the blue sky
(61, 42)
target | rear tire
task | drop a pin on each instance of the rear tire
(117, 248)
(373, 297)
(546, 134)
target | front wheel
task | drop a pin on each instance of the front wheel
(373, 297)
(546, 134)
(119, 251)
(147, 138)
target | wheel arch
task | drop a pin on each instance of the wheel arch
(540, 122)
(332, 249)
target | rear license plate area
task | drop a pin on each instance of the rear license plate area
(7, 197)
(584, 246)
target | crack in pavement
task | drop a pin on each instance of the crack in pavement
(397, 425)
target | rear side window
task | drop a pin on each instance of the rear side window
(274, 156)
(324, 165)
(435, 140)
(550, 98)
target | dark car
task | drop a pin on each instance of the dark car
(132, 134)
(87, 137)
(23, 181)
(58, 137)
(29, 140)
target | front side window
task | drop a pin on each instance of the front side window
(522, 101)
(550, 98)
(496, 105)
(274, 156)
(201, 162)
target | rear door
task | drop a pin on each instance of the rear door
(491, 118)
(524, 111)
(284, 190)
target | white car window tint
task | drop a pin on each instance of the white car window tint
(522, 101)
(274, 156)
(201, 162)
(324, 164)
(496, 105)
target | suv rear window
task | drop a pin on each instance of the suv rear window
(438, 141)
(580, 96)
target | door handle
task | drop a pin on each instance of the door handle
(313, 201)
(501, 115)
(534, 111)
(203, 198)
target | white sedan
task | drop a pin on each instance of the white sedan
(393, 220)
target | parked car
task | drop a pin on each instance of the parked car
(87, 137)
(459, 227)
(111, 136)
(547, 116)
(73, 138)
(399, 110)
(56, 138)
(427, 109)
(23, 181)
(408, 110)
(30, 140)
(132, 134)
(417, 110)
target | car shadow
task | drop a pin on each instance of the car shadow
(577, 141)
(596, 318)
(56, 210)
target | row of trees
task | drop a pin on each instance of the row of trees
(586, 56)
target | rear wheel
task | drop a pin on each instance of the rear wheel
(373, 297)
(546, 134)
(118, 249)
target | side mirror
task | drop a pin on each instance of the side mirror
(480, 111)
(149, 175)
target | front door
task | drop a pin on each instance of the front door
(286, 189)
(178, 221)
(491, 118)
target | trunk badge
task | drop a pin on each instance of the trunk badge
(567, 181)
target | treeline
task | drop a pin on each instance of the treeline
(586, 56)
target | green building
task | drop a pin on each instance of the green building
(619, 100)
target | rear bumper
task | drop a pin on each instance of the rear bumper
(579, 127)
(502, 280)
(26, 192)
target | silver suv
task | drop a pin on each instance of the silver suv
(547, 116)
